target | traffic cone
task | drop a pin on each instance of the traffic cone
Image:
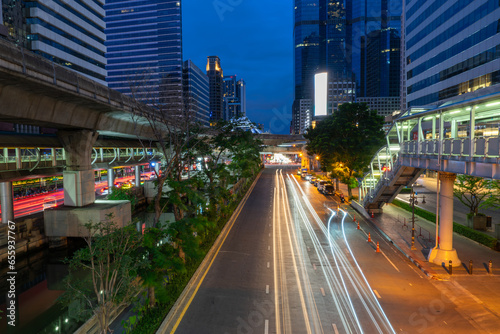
(354, 218)
(373, 216)
(378, 248)
(358, 225)
(369, 237)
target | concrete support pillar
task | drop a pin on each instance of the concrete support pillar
(7, 201)
(111, 178)
(445, 251)
(137, 175)
(79, 183)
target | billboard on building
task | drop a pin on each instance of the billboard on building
(320, 94)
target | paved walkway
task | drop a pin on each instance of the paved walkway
(475, 294)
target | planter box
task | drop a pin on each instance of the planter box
(479, 222)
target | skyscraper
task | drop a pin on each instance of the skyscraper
(215, 77)
(452, 51)
(196, 93)
(234, 97)
(69, 33)
(319, 46)
(144, 50)
(374, 32)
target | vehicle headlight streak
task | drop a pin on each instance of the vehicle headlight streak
(356, 278)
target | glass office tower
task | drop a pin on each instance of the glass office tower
(144, 50)
(319, 46)
(374, 33)
(69, 33)
(452, 50)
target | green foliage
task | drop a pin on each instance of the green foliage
(102, 276)
(472, 192)
(123, 194)
(347, 140)
(468, 232)
(150, 319)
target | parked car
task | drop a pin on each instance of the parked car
(312, 180)
(328, 189)
(320, 184)
(308, 177)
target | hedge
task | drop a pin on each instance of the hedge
(467, 232)
(151, 320)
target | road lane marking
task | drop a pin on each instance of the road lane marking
(268, 264)
(268, 247)
(314, 266)
(269, 234)
(266, 327)
(230, 225)
(335, 329)
(322, 292)
(267, 289)
(376, 294)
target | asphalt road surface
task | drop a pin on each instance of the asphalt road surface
(295, 262)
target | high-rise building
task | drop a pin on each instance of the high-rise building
(452, 50)
(196, 93)
(234, 97)
(319, 46)
(69, 33)
(215, 81)
(144, 50)
(374, 32)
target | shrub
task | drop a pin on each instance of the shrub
(467, 232)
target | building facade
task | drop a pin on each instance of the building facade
(144, 51)
(374, 35)
(215, 81)
(69, 33)
(196, 93)
(320, 37)
(234, 97)
(452, 50)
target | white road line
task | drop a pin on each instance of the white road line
(268, 264)
(376, 294)
(267, 289)
(322, 292)
(335, 329)
(266, 327)
(314, 266)
(268, 247)
(269, 234)
(390, 262)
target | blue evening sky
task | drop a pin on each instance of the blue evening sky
(253, 39)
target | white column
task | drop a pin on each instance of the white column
(111, 179)
(445, 251)
(137, 175)
(7, 202)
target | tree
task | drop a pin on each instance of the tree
(473, 192)
(350, 136)
(110, 270)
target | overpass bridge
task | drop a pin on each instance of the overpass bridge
(456, 138)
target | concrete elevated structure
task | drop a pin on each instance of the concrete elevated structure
(456, 138)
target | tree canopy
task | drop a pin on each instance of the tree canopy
(349, 138)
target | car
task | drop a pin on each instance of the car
(328, 189)
(312, 180)
(308, 177)
(321, 184)
(298, 172)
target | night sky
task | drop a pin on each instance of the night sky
(254, 41)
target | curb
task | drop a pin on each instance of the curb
(417, 263)
(168, 323)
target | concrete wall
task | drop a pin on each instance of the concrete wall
(69, 221)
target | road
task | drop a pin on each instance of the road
(293, 263)
(34, 204)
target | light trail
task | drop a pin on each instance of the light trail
(34, 204)
(348, 281)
